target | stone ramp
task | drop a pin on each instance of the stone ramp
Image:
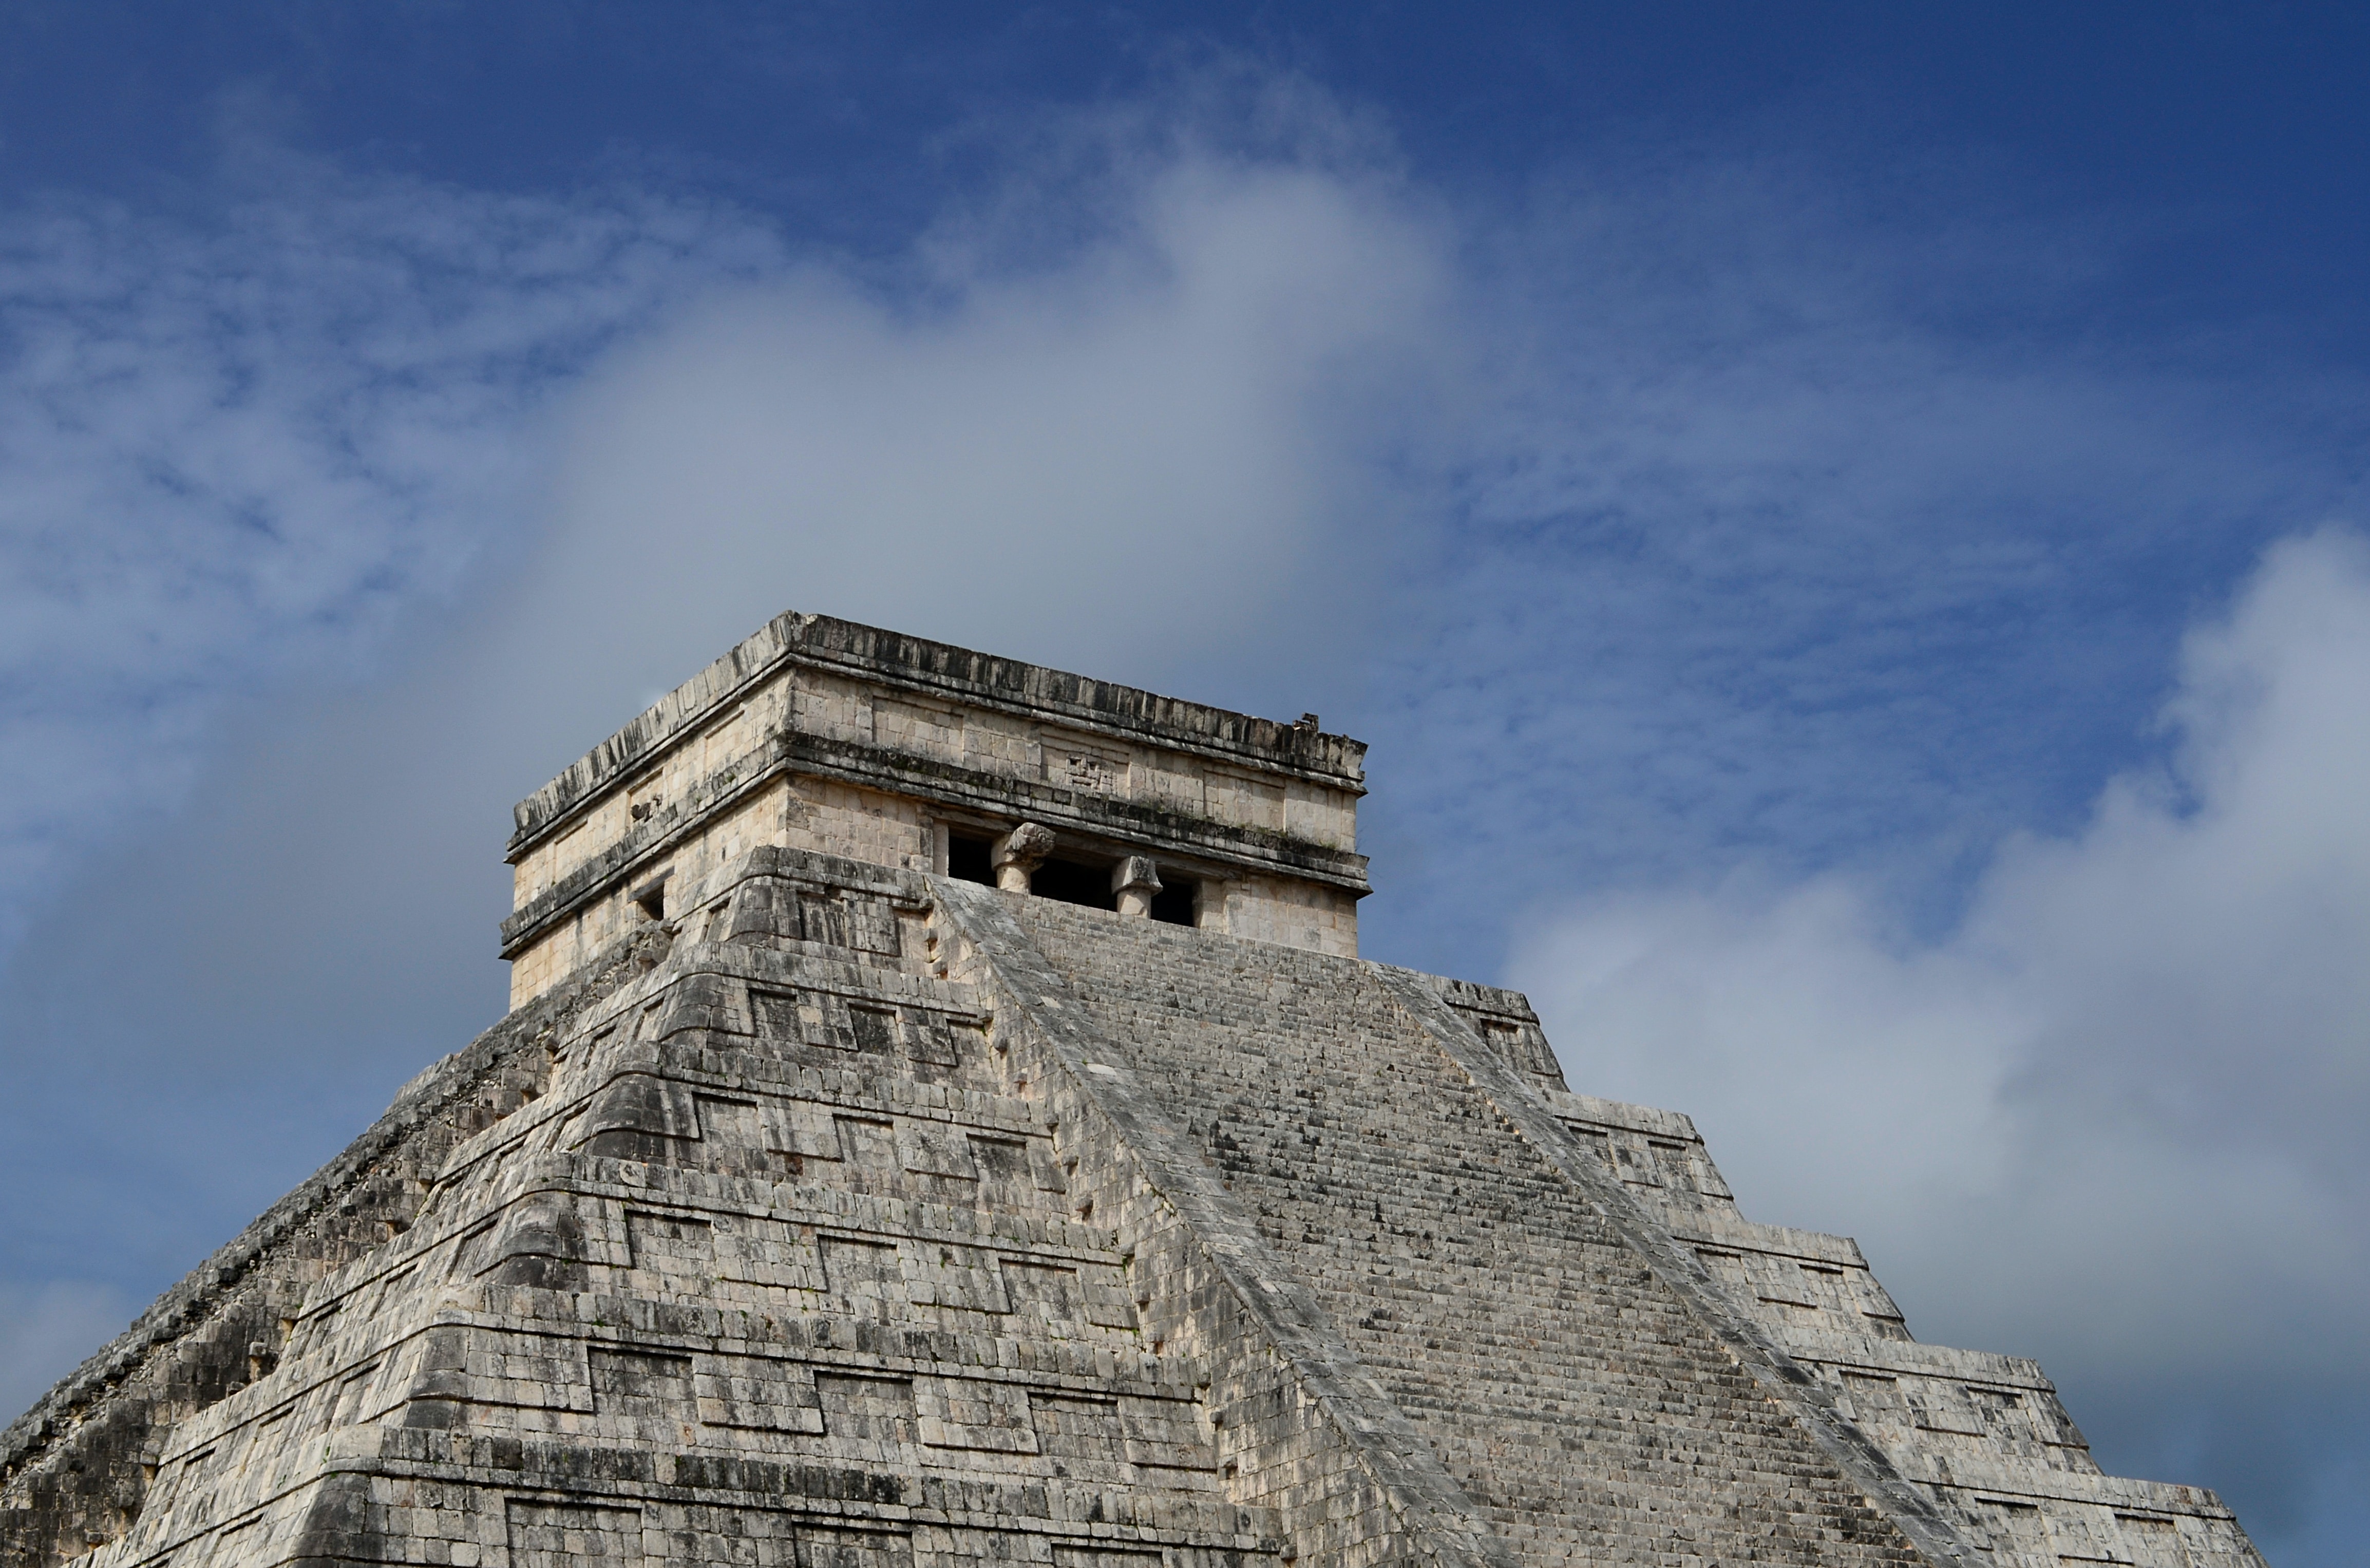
(1583, 1409)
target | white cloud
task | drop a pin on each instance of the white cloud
(2114, 1117)
(1127, 463)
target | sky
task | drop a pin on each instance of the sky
(1843, 525)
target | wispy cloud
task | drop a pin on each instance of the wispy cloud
(1797, 525)
(242, 446)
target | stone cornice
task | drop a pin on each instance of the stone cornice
(949, 673)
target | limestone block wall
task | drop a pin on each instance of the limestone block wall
(780, 1259)
(818, 815)
(1984, 1435)
(1505, 1023)
(1293, 914)
(77, 1467)
(815, 734)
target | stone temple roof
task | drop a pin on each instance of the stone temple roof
(843, 1210)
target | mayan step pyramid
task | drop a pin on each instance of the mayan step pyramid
(944, 1121)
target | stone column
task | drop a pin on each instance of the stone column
(1136, 880)
(1018, 855)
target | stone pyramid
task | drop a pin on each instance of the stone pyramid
(943, 1121)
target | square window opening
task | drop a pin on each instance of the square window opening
(1175, 900)
(651, 897)
(967, 858)
(1075, 881)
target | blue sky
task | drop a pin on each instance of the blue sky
(1843, 527)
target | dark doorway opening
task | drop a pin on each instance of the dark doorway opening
(651, 897)
(1174, 902)
(967, 858)
(1075, 882)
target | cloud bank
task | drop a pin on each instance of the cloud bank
(2113, 1117)
(1132, 460)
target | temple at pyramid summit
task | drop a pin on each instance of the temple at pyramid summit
(944, 1121)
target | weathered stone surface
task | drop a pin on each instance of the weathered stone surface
(818, 734)
(837, 1211)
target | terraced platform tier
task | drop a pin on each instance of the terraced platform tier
(852, 1216)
